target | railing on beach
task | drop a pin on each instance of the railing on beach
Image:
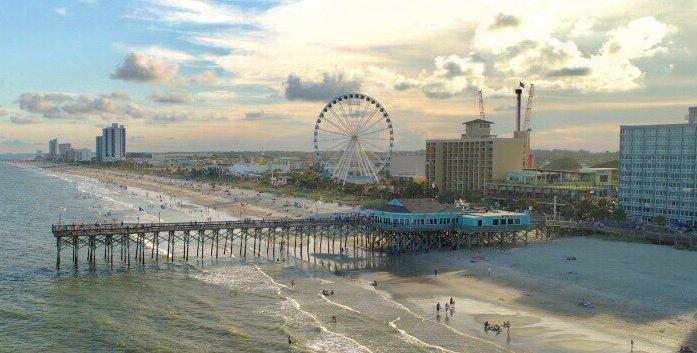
(627, 234)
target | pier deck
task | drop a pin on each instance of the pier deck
(346, 236)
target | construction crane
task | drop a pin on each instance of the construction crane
(528, 108)
(481, 106)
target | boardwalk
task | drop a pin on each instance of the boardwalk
(273, 239)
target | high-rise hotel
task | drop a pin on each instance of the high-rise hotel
(658, 171)
(478, 157)
(111, 146)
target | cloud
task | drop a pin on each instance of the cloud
(503, 21)
(217, 95)
(62, 11)
(23, 120)
(452, 75)
(168, 118)
(329, 87)
(81, 107)
(570, 71)
(505, 108)
(143, 68)
(190, 11)
(261, 116)
(171, 97)
(207, 77)
(17, 143)
(122, 96)
(642, 37)
(156, 51)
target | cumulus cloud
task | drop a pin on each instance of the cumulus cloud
(542, 58)
(570, 71)
(144, 68)
(452, 75)
(171, 97)
(329, 87)
(502, 21)
(81, 107)
(23, 120)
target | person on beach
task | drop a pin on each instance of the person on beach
(631, 345)
(292, 283)
(290, 340)
(438, 307)
(447, 308)
(334, 319)
(452, 302)
(486, 325)
(435, 273)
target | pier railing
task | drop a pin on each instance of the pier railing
(627, 234)
(345, 236)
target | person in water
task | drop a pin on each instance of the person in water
(452, 302)
(438, 307)
(290, 341)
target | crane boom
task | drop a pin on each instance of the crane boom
(481, 106)
(528, 108)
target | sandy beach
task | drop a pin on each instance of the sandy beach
(241, 203)
(639, 292)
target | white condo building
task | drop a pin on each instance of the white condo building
(111, 146)
(658, 171)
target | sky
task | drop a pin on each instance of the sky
(213, 75)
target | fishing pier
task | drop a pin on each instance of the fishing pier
(139, 243)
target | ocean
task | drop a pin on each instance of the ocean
(229, 305)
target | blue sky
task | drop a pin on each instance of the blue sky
(221, 75)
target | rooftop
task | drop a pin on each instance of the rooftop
(416, 205)
(478, 121)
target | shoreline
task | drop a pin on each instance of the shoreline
(511, 295)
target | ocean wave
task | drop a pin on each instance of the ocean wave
(415, 341)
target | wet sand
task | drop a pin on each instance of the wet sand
(647, 293)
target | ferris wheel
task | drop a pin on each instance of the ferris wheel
(353, 138)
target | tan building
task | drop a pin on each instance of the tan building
(473, 160)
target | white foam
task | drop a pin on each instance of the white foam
(339, 304)
(415, 341)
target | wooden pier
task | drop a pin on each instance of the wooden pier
(274, 239)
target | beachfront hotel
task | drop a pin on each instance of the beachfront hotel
(111, 146)
(475, 159)
(658, 171)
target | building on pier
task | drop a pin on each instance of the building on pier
(422, 214)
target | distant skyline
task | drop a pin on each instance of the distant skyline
(197, 75)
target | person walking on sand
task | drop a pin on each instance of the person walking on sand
(438, 307)
(631, 345)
